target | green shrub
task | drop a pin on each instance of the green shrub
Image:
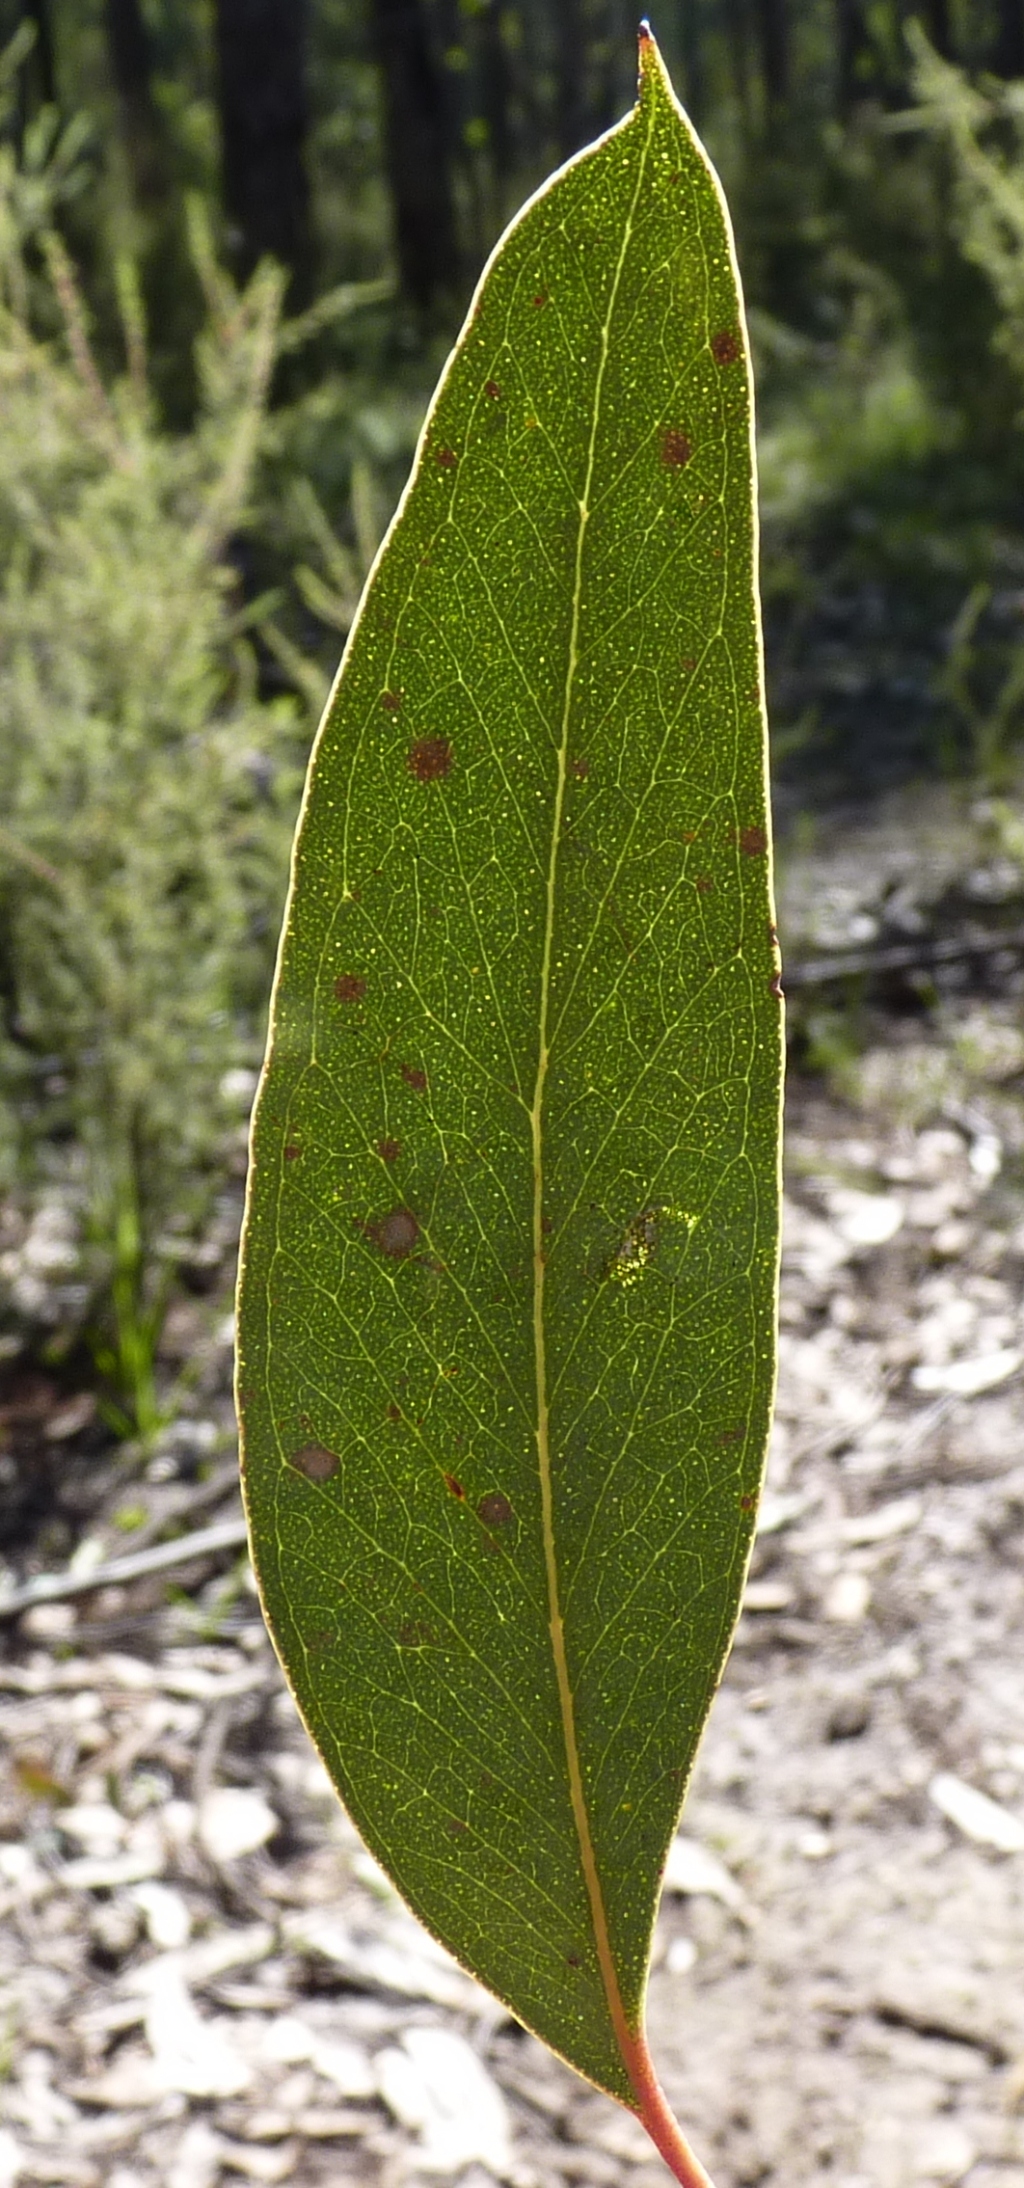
(147, 790)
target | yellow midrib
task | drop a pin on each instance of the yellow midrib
(625, 2037)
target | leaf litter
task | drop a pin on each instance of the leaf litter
(203, 1977)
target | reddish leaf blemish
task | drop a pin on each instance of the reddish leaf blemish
(494, 1509)
(676, 448)
(492, 389)
(315, 1462)
(454, 1488)
(747, 1504)
(753, 842)
(581, 769)
(725, 346)
(292, 1151)
(394, 1411)
(539, 301)
(415, 1078)
(388, 1150)
(687, 662)
(447, 459)
(415, 1633)
(430, 759)
(573, 1960)
(391, 701)
(394, 1235)
(703, 883)
(350, 987)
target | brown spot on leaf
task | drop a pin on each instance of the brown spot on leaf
(315, 1462)
(292, 1151)
(388, 1150)
(430, 759)
(394, 1235)
(454, 1488)
(725, 346)
(775, 987)
(394, 1411)
(492, 389)
(732, 1435)
(415, 1633)
(415, 1078)
(753, 842)
(494, 1509)
(747, 1504)
(703, 883)
(350, 987)
(676, 448)
(539, 300)
(447, 459)
(391, 701)
(573, 1960)
(687, 662)
(457, 1828)
(581, 769)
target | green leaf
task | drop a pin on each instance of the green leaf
(508, 1295)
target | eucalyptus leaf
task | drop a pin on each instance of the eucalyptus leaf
(506, 1332)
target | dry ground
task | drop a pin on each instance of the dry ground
(204, 1980)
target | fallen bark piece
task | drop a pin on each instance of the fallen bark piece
(235, 1820)
(434, 2084)
(978, 1817)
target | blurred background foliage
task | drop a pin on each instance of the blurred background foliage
(236, 237)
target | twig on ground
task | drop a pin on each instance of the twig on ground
(226, 1534)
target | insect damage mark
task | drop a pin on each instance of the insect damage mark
(676, 448)
(640, 1242)
(726, 346)
(415, 1078)
(494, 1509)
(350, 987)
(429, 759)
(315, 1462)
(775, 987)
(498, 1521)
(635, 1249)
(389, 1150)
(395, 1234)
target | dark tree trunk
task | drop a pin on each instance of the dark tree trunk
(938, 26)
(38, 13)
(131, 64)
(773, 41)
(855, 57)
(570, 77)
(495, 91)
(1008, 58)
(264, 117)
(417, 154)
